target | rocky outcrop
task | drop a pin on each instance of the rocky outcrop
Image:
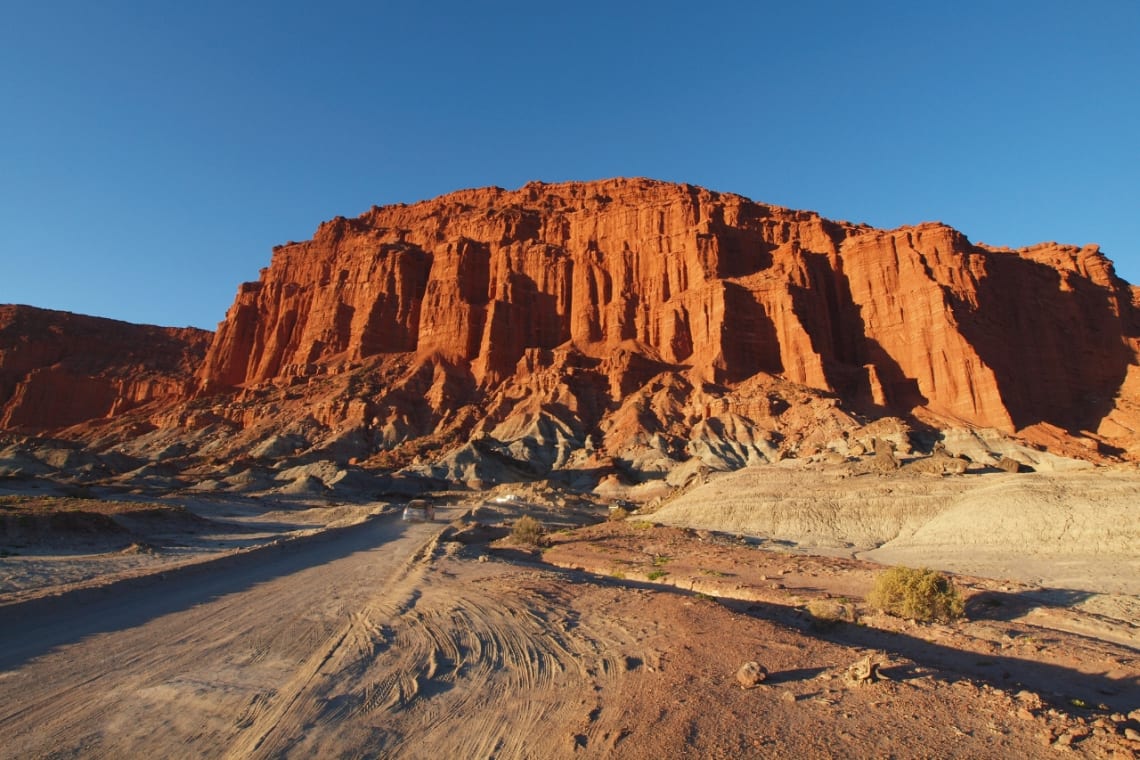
(479, 277)
(613, 329)
(633, 278)
(58, 369)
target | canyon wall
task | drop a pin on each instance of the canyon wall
(586, 324)
(709, 284)
(58, 369)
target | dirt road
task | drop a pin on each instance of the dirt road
(206, 662)
(361, 643)
(377, 641)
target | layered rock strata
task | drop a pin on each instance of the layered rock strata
(646, 276)
(617, 326)
(58, 369)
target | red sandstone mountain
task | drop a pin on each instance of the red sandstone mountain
(58, 369)
(564, 324)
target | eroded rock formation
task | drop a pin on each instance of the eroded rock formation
(58, 369)
(647, 277)
(622, 325)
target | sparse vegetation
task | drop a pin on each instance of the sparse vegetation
(661, 560)
(921, 594)
(618, 513)
(657, 574)
(527, 531)
(43, 505)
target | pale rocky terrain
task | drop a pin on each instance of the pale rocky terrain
(374, 637)
(1074, 529)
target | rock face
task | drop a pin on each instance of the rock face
(645, 276)
(58, 369)
(623, 326)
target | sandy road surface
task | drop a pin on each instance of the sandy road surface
(376, 640)
(363, 643)
(203, 663)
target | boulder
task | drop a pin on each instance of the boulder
(750, 675)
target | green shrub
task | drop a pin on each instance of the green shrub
(919, 594)
(527, 530)
(657, 574)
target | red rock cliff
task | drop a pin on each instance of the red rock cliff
(711, 284)
(58, 369)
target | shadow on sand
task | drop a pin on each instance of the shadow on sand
(33, 628)
(1063, 687)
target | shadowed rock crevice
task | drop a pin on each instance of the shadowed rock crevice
(1070, 356)
(751, 344)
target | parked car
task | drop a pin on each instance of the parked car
(419, 510)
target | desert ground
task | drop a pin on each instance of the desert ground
(191, 625)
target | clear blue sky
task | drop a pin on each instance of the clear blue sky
(152, 152)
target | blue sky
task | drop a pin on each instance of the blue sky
(152, 152)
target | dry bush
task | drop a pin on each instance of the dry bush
(618, 513)
(527, 530)
(919, 594)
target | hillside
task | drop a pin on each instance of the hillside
(625, 326)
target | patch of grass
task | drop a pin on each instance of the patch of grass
(921, 594)
(527, 531)
(618, 574)
(618, 513)
(704, 596)
(642, 524)
(46, 505)
(657, 574)
(661, 560)
(713, 573)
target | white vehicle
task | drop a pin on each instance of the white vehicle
(419, 510)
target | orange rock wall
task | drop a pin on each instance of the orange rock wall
(58, 369)
(711, 284)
